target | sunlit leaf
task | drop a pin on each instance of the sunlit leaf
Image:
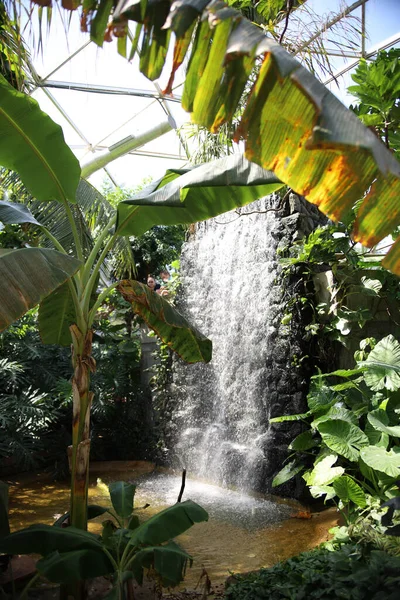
(33, 145)
(323, 472)
(379, 459)
(348, 490)
(168, 523)
(380, 421)
(291, 124)
(343, 437)
(195, 194)
(383, 365)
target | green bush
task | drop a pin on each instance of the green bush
(349, 573)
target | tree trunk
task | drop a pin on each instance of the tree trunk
(83, 364)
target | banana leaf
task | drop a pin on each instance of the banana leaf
(33, 145)
(195, 194)
(165, 320)
(291, 124)
(28, 276)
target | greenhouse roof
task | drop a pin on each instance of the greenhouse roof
(102, 101)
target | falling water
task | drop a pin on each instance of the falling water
(221, 416)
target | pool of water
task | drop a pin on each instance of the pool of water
(244, 532)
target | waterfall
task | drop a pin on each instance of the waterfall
(221, 412)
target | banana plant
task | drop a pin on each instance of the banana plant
(64, 278)
(291, 123)
(124, 549)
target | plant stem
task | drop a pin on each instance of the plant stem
(92, 279)
(78, 245)
(99, 302)
(29, 585)
(96, 249)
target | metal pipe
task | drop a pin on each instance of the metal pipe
(388, 43)
(103, 89)
(123, 147)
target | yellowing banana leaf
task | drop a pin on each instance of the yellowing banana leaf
(33, 145)
(197, 194)
(29, 275)
(291, 124)
(170, 326)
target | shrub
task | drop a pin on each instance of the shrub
(349, 573)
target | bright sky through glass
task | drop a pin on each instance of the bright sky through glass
(103, 119)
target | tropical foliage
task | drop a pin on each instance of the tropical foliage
(68, 305)
(377, 91)
(350, 572)
(291, 123)
(124, 549)
(349, 451)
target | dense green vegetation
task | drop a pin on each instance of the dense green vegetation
(77, 244)
(349, 572)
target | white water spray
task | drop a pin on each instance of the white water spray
(221, 417)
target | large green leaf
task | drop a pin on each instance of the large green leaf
(93, 511)
(75, 565)
(169, 523)
(44, 539)
(320, 397)
(343, 437)
(29, 275)
(348, 490)
(13, 213)
(33, 145)
(196, 194)
(380, 460)
(336, 412)
(383, 365)
(122, 494)
(304, 441)
(171, 327)
(323, 472)
(168, 561)
(380, 421)
(56, 314)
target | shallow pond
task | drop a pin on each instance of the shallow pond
(244, 532)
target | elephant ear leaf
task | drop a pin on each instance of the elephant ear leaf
(383, 365)
(29, 275)
(169, 325)
(33, 145)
